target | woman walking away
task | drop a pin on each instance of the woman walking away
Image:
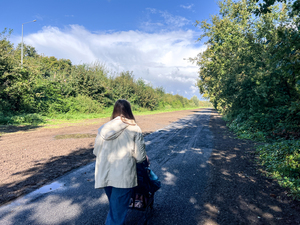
(119, 145)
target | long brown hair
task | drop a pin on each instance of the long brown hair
(122, 108)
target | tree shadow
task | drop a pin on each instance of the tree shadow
(77, 204)
(237, 191)
(13, 129)
(44, 172)
(201, 109)
(178, 155)
(227, 190)
(90, 208)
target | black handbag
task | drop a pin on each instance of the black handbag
(147, 180)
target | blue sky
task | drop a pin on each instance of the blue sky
(150, 38)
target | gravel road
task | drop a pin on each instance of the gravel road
(178, 155)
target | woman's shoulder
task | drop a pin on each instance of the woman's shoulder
(134, 128)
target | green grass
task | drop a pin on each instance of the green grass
(60, 119)
(67, 136)
(76, 118)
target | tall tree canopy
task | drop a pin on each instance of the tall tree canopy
(251, 69)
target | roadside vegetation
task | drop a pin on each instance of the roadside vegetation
(47, 90)
(250, 71)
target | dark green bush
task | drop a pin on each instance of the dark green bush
(282, 162)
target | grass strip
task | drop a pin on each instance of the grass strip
(77, 136)
(59, 120)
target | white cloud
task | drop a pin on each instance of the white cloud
(177, 21)
(187, 6)
(39, 17)
(163, 20)
(193, 89)
(156, 57)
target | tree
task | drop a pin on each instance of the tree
(16, 83)
(265, 6)
(195, 100)
(28, 51)
(250, 70)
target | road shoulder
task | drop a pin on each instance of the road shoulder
(237, 192)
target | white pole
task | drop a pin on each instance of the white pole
(22, 47)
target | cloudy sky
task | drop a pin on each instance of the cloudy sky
(149, 37)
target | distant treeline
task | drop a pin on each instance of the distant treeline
(47, 85)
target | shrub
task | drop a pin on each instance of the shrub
(79, 104)
(282, 162)
(32, 119)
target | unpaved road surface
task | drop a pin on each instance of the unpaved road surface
(178, 154)
(208, 178)
(32, 156)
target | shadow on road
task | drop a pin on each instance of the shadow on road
(79, 203)
(237, 193)
(178, 156)
(44, 172)
(228, 191)
(13, 129)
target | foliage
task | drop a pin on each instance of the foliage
(250, 70)
(282, 160)
(78, 104)
(264, 6)
(146, 95)
(245, 130)
(22, 119)
(16, 83)
(47, 87)
(195, 100)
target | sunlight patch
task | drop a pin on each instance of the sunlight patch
(193, 200)
(71, 211)
(170, 178)
(103, 199)
(275, 208)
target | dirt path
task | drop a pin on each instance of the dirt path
(236, 192)
(178, 154)
(31, 157)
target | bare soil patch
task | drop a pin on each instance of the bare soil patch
(32, 156)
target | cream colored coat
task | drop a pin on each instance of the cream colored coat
(118, 147)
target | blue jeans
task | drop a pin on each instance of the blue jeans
(119, 199)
